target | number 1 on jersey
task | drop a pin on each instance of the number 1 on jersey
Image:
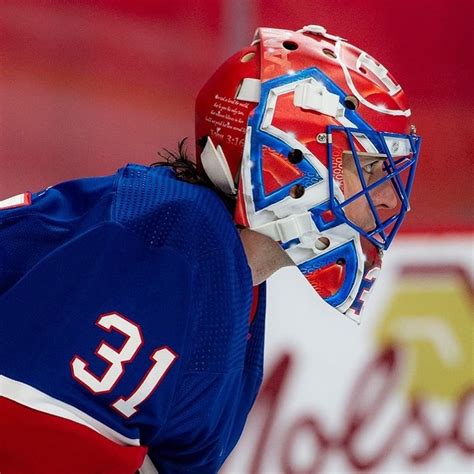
(163, 360)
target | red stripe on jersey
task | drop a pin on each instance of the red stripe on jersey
(253, 310)
(32, 441)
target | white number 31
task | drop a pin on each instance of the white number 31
(162, 358)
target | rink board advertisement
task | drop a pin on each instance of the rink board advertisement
(394, 394)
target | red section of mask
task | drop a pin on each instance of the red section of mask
(327, 280)
(277, 171)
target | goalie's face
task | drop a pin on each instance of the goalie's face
(383, 196)
(372, 179)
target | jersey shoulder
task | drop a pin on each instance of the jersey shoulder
(49, 219)
(167, 211)
(192, 219)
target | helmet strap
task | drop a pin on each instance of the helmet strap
(215, 165)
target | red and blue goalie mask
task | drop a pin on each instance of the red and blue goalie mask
(312, 136)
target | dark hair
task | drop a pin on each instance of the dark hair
(185, 169)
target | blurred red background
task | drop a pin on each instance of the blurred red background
(87, 86)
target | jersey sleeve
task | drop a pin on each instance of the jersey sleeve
(196, 439)
(216, 388)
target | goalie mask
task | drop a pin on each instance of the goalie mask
(311, 135)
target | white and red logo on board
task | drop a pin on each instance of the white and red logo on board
(394, 395)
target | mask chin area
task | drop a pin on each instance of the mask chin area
(372, 174)
(333, 274)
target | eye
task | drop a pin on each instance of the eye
(369, 167)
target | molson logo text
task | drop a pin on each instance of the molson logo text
(423, 363)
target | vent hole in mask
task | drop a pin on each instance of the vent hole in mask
(330, 53)
(290, 45)
(297, 191)
(351, 102)
(247, 57)
(322, 243)
(295, 156)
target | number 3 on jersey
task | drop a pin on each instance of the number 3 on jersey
(162, 358)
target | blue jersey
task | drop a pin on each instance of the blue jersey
(125, 306)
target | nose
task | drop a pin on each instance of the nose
(384, 196)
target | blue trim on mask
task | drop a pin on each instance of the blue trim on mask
(366, 285)
(347, 252)
(290, 243)
(261, 138)
(318, 220)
